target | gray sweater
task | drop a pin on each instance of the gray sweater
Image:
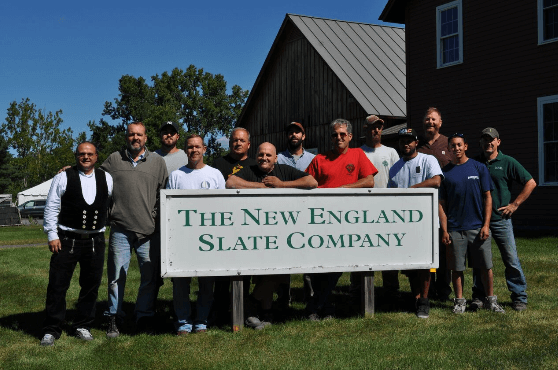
(135, 196)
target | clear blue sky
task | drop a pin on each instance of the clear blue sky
(70, 55)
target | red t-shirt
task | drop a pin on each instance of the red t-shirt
(348, 168)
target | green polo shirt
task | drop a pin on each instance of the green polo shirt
(504, 170)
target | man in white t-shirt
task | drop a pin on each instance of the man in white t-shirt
(416, 170)
(382, 157)
(195, 175)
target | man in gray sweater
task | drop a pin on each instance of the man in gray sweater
(138, 176)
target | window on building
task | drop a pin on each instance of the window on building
(548, 140)
(449, 31)
(548, 21)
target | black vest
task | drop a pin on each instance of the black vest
(75, 212)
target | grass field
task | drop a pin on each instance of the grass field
(392, 339)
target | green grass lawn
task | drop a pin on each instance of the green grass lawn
(392, 339)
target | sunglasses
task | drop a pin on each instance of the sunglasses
(341, 134)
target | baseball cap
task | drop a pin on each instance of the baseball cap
(370, 120)
(168, 123)
(408, 132)
(295, 124)
(490, 131)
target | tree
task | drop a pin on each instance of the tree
(41, 146)
(7, 170)
(196, 100)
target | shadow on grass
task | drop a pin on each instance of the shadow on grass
(31, 323)
(346, 306)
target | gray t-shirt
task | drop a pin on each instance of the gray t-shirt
(173, 160)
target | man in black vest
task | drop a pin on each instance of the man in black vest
(74, 219)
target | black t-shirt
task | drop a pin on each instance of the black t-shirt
(230, 166)
(282, 171)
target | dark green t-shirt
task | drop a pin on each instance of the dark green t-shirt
(504, 170)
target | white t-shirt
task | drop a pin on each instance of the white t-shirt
(383, 158)
(405, 174)
(206, 177)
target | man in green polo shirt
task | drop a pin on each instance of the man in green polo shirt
(504, 170)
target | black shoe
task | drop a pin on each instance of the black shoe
(112, 331)
(423, 308)
(146, 325)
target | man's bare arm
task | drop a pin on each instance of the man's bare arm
(305, 182)
(485, 231)
(528, 188)
(443, 222)
(433, 182)
(365, 182)
(235, 182)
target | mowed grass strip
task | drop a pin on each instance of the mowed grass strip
(392, 339)
(21, 235)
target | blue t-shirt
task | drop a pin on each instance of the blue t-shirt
(300, 163)
(462, 189)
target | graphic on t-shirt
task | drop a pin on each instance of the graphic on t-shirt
(385, 163)
(205, 185)
(350, 168)
(235, 169)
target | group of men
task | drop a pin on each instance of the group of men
(128, 184)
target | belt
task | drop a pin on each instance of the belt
(81, 239)
(78, 236)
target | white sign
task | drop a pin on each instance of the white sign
(271, 231)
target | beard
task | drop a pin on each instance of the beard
(294, 144)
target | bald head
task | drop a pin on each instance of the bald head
(266, 157)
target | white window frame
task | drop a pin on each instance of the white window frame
(540, 104)
(439, 10)
(540, 22)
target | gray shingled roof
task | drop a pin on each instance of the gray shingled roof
(368, 59)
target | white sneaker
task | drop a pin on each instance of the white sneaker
(459, 305)
(491, 304)
(48, 340)
(83, 334)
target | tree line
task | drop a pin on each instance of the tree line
(33, 144)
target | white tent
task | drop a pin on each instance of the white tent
(37, 192)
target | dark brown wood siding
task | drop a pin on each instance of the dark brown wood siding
(299, 86)
(503, 73)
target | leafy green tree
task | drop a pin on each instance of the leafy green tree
(7, 170)
(198, 101)
(41, 146)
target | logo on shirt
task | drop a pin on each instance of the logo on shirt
(235, 170)
(472, 178)
(499, 168)
(385, 163)
(350, 168)
(205, 185)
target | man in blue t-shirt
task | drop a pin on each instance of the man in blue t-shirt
(465, 209)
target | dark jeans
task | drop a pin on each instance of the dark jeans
(90, 254)
(323, 285)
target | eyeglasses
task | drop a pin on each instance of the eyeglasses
(341, 134)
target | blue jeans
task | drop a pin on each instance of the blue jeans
(502, 233)
(121, 244)
(182, 307)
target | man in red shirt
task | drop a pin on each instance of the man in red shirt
(341, 167)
